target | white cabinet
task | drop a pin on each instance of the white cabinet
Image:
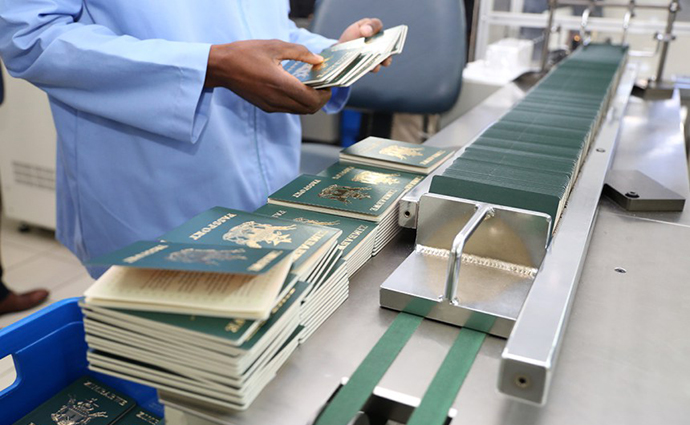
(27, 154)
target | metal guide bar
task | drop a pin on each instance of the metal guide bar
(531, 352)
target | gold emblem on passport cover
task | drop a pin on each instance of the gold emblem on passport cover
(251, 233)
(372, 177)
(303, 72)
(77, 412)
(205, 256)
(344, 193)
(401, 152)
(317, 222)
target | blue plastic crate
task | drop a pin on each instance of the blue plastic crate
(49, 352)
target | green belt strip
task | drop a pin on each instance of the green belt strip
(438, 398)
(433, 410)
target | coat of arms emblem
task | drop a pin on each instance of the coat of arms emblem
(251, 234)
(317, 222)
(343, 194)
(210, 257)
(401, 152)
(372, 177)
(302, 72)
(77, 412)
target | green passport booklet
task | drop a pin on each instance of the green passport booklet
(500, 192)
(85, 401)
(376, 176)
(235, 259)
(395, 155)
(516, 158)
(209, 280)
(335, 61)
(369, 52)
(235, 336)
(225, 226)
(565, 152)
(504, 171)
(326, 195)
(353, 231)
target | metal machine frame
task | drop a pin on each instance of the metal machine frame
(534, 338)
(663, 33)
(663, 39)
(622, 322)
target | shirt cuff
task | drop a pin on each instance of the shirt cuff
(193, 100)
(339, 98)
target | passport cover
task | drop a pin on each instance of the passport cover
(334, 61)
(225, 226)
(566, 152)
(363, 200)
(376, 176)
(237, 332)
(85, 401)
(424, 157)
(507, 172)
(234, 331)
(353, 231)
(235, 259)
(515, 158)
(498, 192)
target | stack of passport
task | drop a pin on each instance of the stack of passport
(379, 177)
(211, 280)
(356, 240)
(223, 360)
(362, 193)
(395, 155)
(346, 63)
(88, 401)
(226, 362)
(531, 157)
(323, 300)
(313, 246)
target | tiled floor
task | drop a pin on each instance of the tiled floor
(36, 260)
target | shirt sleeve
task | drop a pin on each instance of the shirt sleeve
(316, 43)
(154, 85)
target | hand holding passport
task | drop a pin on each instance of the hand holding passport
(347, 62)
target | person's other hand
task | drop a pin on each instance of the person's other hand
(252, 70)
(364, 28)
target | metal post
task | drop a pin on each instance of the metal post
(584, 34)
(472, 54)
(482, 34)
(626, 21)
(666, 40)
(547, 35)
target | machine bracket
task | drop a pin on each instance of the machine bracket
(635, 191)
(499, 248)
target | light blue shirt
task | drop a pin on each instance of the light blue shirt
(142, 146)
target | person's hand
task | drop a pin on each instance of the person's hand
(253, 71)
(364, 28)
